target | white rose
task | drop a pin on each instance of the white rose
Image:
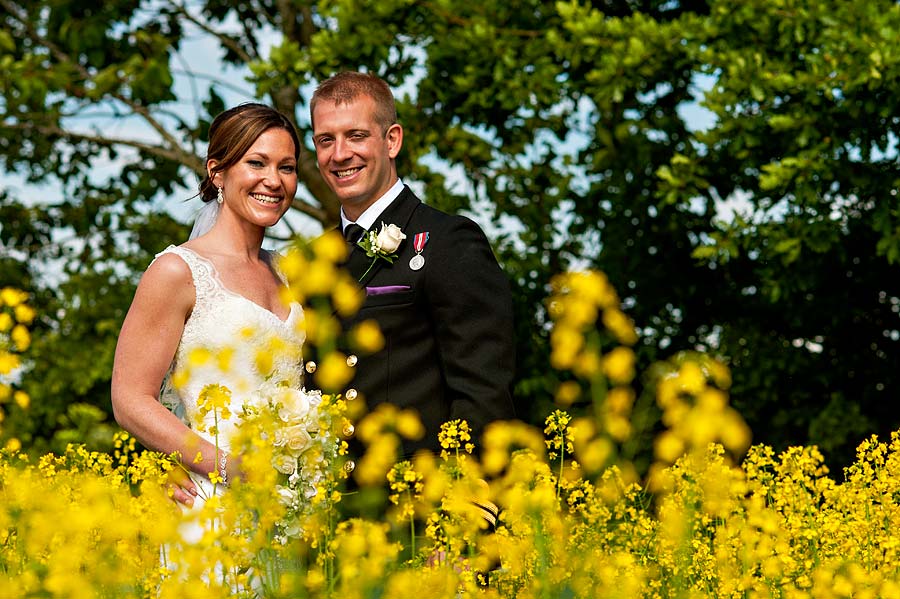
(292, 528)
(389, 238)
(298, 439)
(285, 464)
(279, 439)
(286, 496)
(292, 404)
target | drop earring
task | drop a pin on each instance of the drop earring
(220, 197)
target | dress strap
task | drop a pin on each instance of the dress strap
(272, 258)
(203, 273)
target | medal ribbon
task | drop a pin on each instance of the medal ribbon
(419, 241)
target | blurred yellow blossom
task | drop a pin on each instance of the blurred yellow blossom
(8, 362)
(697, 522)
(347, 297)
(409, 425)
(198, 356)
(21, 338)
(318, 278)
(366, 337)
(333, 373)
(21, 398)
(565, 342)
(620, 325)
(618, 365)
(24, 314)
(12, 297)
(330, 246)
(567, 393)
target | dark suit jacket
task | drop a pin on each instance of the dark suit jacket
(449, 344)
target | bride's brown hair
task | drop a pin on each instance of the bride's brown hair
(234, 131)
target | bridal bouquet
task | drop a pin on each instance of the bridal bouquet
(298, 428)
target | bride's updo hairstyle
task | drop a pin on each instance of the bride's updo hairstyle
(234, 131)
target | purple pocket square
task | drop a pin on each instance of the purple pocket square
(386, 289)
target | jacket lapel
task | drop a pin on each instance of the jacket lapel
(399, 213)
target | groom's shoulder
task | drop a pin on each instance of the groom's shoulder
(441, 219)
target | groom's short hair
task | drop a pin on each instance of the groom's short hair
(347, 86)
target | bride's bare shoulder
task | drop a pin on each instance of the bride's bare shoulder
(167, 269)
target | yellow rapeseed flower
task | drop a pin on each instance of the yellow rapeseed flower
(567, 393)
(22, 400)
(21, 338)
(668, 447)
(587, 364)
(213, 398)
(691, 378)
(330, 246)
(620, 399)
(620, 326)
(579, 312)
(565, 343)
(292, 265)
(198, 356)
(347, 297)
(618, 426)
(181, 377)
(319, 278)
(6, 322)
(595, 286)
(618, 365)
(333, 372)
(454, 434)
(223, 359)
(595, 454)
(735, 433)
(12, 297)
(8, 362)
(264, 361)
(367, 337)
(24, 314)
(409, 425)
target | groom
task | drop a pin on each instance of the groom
(443, 305)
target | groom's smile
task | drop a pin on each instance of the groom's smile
(354, 152)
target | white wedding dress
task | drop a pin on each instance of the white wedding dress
(226, 339)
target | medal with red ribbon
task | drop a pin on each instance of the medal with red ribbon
(419, 241)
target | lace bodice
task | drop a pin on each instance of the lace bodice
(231, 341)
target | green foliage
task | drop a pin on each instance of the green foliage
(765, 230)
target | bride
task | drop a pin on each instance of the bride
(197, 299)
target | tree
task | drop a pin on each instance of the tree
(564, 125)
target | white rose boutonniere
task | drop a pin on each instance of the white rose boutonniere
(383, 244)
(389, 238)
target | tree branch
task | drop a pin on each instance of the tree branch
(464, 22)
(213, 79)
(63, 57)
(317, 213)
(189, 160)
(226, 40)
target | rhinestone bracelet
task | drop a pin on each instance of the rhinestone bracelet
(223, 463)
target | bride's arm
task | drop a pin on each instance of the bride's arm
(146, 346)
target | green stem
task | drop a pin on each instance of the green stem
(216, 438)
(412, 528)
(374, 260)
(562, 462)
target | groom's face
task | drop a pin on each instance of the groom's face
(355, 155)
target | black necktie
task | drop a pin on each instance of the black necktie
(352, 233)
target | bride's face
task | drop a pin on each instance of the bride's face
(260, 187)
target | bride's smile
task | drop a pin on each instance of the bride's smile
(260, 187)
